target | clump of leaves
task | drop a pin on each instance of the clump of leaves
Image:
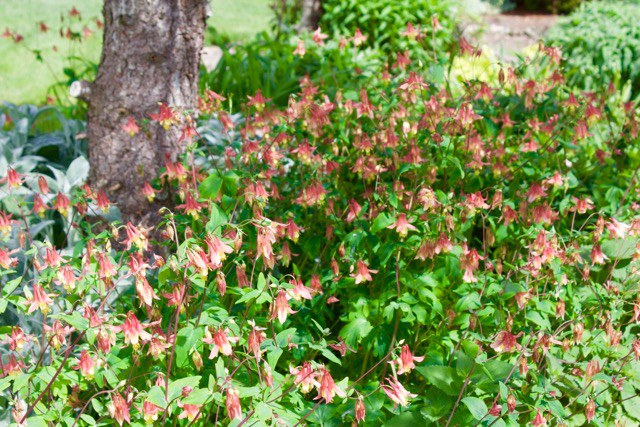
(400, 253)
(601, 46)
(384, 22)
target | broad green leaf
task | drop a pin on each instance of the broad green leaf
(354, 331)
(476, 406)
(383, 220)
(443, 377)
(619, 248)
(210, 187)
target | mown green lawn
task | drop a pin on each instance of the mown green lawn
(25, 79)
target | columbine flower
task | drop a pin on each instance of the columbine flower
(218, 250)
(106, 338)
(86, 365)
(150, 412)
(62, 204)
(406, 361)
(360, 410)
(581, 205)
(300, 48)
(148, 191)
(145, 292)
(469, 262)
(505, 342)
(402, 226)
(165, 116)
(359, 38)
(40, 300)
(299, 291)
(220, 341)
(221, 283)
(135, 238)
(43, 185)
(597, 257)
(232, 402)
(119, 409)
(396, 392)
(13, 178)
(133, 330)
(198, 260)
(305, 377)
(19, 411)
(266, 239)
(327, 388)
(17, 340)
(319, 37)
(617, 230)
(280, 308)
(590, 410)
(131, 127)
(363, 274)
(539, 420)
(255, 339)
(6, 261)
(411, 32)
(189, 411)
(191, 206)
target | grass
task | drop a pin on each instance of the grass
(24, 78)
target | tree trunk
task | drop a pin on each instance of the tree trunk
(311, 14)
(151, 55)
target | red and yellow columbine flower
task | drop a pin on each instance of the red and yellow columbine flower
(405, 362)
(327, 388)
(232, 402)
(133, 331)
(220, 340)
(39, 300)
(62, 204)
(396, 392)
(165, 116)
(119, 409)
(148, 191)
(280, 308)
(218, 250)
(13, 178)
(131, 127)
(150, 412)
(363, 273)
(86, 365)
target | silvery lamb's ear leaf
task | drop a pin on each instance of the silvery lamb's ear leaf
(61, 182)
(112, 215)
(78, 172)
(38, 227)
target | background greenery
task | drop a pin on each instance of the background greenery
(230, 17)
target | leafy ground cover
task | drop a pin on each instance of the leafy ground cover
(409, 249)
(426, 237)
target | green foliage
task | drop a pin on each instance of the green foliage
(269, 64)
(401, 244)
(383, 22)
(466, 252)
(601, 46)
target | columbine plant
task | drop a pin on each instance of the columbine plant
(404, 250)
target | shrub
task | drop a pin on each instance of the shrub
(601, 46)
(383, 22)
(398, 254)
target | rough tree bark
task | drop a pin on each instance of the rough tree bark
(311, 14)
(151, 54)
